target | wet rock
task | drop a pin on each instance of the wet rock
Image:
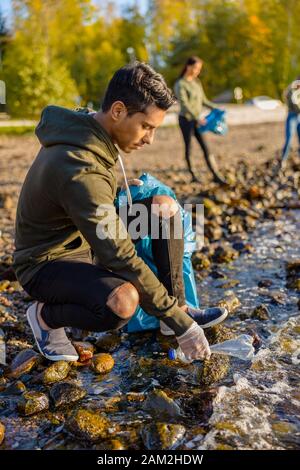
(23, 363)
(2, 432)
(102, 363)
(243, 247)
(213, 231)
(214, 369)
(3, 382)
(261, 313)
(200, 261)
(231, 302)
(4, 285)
(199, 404)
(84, 350)
(217, 367)
(162, 436)
(294, 284)
(265, 283)
(2, 347)
(78, 334)
(277, 298)
(293, 268)
(158, 403)
(210, 208)
(16, 388)
(55, 373)
(293, 274)
(215, 274)
(108, 342)
(250, 222)
(229, 284)
(255, 192)
(225, 254)
(66, 393)
(116, 444)
(218, 334)
(235, 224)
(88, 424)
(33, 402)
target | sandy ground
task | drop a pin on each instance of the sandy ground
(243, 143)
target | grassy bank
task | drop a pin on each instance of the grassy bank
(16, 130)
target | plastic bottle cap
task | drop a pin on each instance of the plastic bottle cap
(172, 354)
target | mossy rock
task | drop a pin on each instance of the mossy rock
(88, 424)
(200, 261)
(159, 404)
(4, 285)
(231, 302)
(66, 393)
(162, 436)
(116, 444)
(293, 268)
(102, 363)
(217, 367)
(108, 342)
(294, 284)
(56, 372)
(16, 388)
(225, 254)
(212, 230)
(229, 284)
(32, 403)
(261, 313)
(2, 432)
(210, 208)
(23, 363)
(218, 334)
(214, 369)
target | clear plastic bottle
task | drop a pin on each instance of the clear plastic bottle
(178, 354)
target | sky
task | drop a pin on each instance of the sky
(6, 8)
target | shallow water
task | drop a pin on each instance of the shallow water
(256, 406)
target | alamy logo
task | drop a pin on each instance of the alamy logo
(159, 223)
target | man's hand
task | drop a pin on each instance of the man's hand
(194, 344)
(133, 182)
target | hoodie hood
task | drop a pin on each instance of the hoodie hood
(61, 126)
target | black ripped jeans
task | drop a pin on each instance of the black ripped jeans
(75, 289)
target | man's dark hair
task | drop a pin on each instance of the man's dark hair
(138, 86)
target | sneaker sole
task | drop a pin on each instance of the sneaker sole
(216, 321)
(168, 333)
(206, 325)
(51, 358)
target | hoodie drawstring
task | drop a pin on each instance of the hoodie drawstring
(129, 198)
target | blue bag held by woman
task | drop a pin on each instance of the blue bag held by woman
(215, 122)
(151, 187)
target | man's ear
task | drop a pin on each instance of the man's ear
(118, 110)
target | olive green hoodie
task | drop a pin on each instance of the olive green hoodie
(191, 98)
(71, 177)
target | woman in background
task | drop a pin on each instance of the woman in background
(190, 94)
(292, 98)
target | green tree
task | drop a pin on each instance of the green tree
(33, 82)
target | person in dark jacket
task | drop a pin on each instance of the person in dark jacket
(66, 213)
(190, 94)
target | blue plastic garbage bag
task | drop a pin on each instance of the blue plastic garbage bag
(151, 187)
(215, 122)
